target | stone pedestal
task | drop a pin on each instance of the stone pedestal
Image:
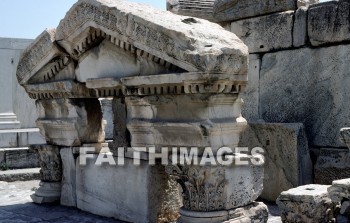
(51, 174)
(48, 192)
(309, 203)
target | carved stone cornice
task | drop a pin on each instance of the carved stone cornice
(169, 84)
(191, 44)
(42, 52)
(59, 89)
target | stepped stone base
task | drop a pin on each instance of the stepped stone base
(12, 138)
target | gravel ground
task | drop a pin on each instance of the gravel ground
(17, 207)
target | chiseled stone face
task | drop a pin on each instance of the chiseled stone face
(303, 85)
(266, 33)
(129, 193)
(229, 10)
(332, 164)
(334, 25)
(287, 159)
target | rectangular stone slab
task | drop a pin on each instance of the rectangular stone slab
(129, 193)
(310, 86)
(266, 33)
(287, 159)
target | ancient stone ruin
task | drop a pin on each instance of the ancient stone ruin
(176, 82)
(177, 79)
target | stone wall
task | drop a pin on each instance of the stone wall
(299, 73)
(298, 70)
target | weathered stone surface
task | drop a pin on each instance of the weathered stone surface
(130, 193)
(211, 120)
(250, 109)
(195, 8)
(345, 136)
(70, 122)
(328, 22)
(107, 112)
(20, 158)
(126, 22)
(286, 94)
(221, 187)
(266, 33)
(227, 10)
(287, 159)
(332, 164)
(38, 56)
(339, 190)
(59, 89)
(255, 212)
(300, 27)
(48, 192)
(68, 190)
(50, 162)
(309, 203)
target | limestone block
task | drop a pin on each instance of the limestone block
(70, 122)
(287, 159)
(34, 137)
(286, 94)
(129, 193)
(328, 22)
(68, 190)
(199, 9)
(48, 192)
(339, 190)
(106, 106)
(227, 10)
(309, 203)
(169, 120)
(250, 109)
(21, 158)
(300, 27)
(8, 139)
(266, 33)
(332, 164)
